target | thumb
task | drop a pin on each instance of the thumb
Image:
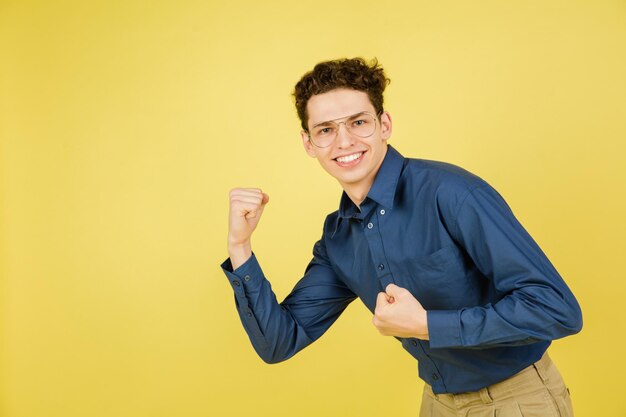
(393, 290)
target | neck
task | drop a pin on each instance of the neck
(357, 193)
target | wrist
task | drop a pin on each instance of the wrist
(239, 253)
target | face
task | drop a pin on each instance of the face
(352, 160)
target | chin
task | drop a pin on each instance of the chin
(350, 179)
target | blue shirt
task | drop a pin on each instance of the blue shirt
(494, 301)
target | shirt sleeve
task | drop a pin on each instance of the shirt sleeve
(534, 303)
(278, 331)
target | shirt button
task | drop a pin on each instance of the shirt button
(249, 314)
(237, 283)
(414, 342)
(370, 225)
(382, 212)
(381, 267)
(435, 377)
(246, 278)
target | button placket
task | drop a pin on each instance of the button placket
(416, 348)
(377, 252)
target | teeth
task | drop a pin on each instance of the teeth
(349, 158)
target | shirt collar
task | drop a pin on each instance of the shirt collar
(383, 189)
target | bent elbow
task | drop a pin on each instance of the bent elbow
(268, 359)
(577, 320)
(270, 356)
(574, 320)
(271, 359)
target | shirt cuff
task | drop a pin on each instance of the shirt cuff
(247, 278)
(444, 328)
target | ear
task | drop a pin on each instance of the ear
(308, 146)
(385, 125)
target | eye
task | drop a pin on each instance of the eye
(360, 122)
(324, 130)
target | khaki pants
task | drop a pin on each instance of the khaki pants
(537, 391)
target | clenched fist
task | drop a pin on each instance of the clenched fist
(398, 313)
(246, 207)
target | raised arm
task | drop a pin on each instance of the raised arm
(278, 330)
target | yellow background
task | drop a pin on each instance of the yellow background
(123, 125)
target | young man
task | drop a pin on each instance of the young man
(432, 250)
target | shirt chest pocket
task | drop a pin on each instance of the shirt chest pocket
(438, 280)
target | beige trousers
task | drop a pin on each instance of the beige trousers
(537, 391)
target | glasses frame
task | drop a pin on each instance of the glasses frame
(375, 116)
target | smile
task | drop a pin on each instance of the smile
(349, 158)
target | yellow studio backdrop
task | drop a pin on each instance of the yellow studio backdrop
(123, 125)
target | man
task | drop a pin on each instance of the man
(432, 250)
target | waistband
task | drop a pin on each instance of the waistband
(529, 379)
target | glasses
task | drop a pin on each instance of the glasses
(361, 124)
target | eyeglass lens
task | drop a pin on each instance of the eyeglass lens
(361, 125)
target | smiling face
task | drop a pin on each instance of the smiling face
(352, 160)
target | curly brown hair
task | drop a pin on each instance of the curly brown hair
(353, 73)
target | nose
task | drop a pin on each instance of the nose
(344, 138)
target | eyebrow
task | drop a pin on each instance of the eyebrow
(339, 118)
